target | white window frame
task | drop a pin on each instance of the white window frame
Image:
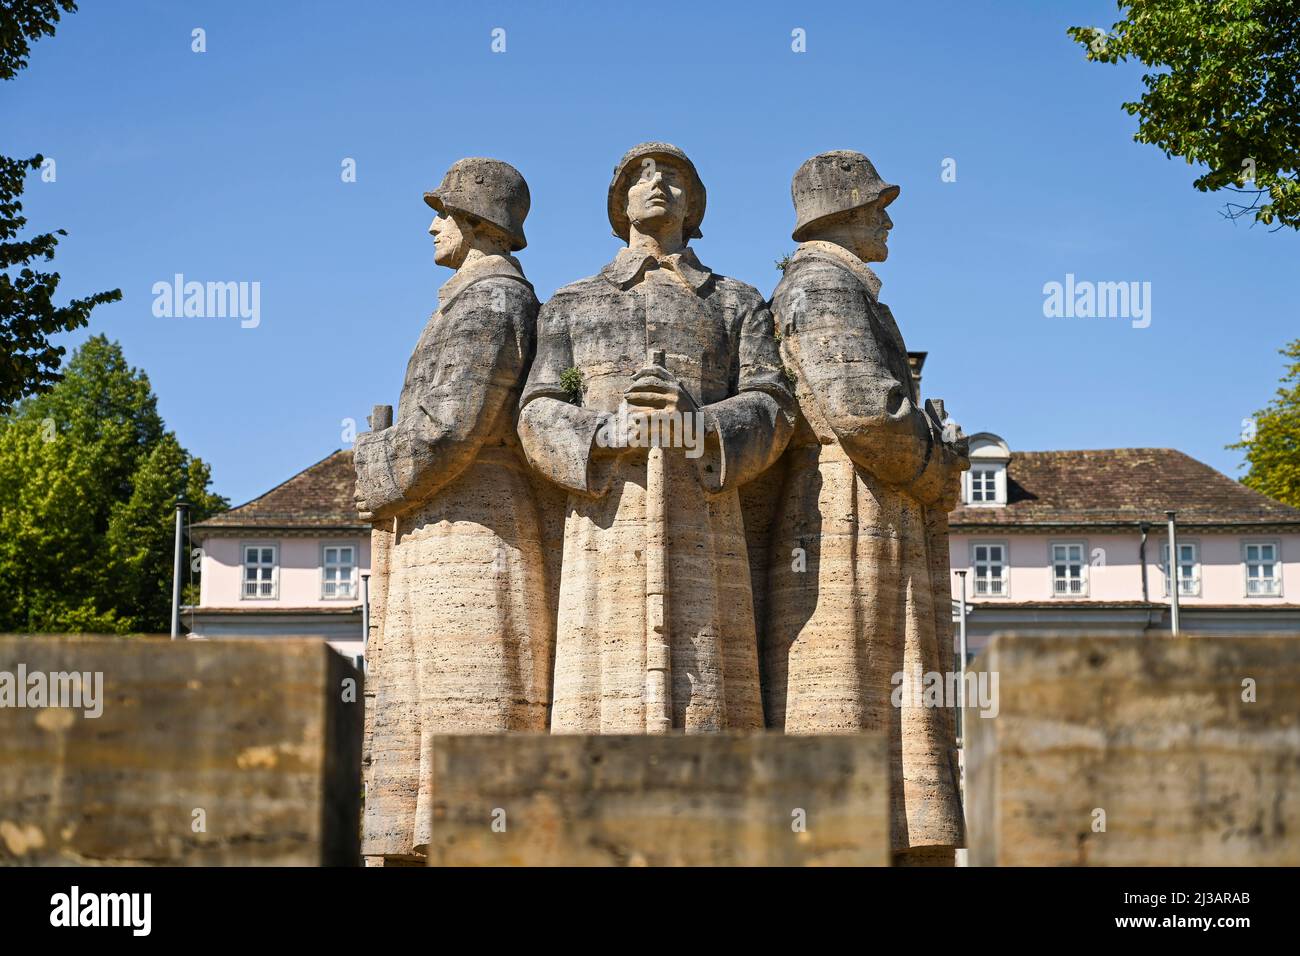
(1195, 589)
(1082, 545)
(999, 470)
(1005, 564)
(275, 570)
(325, 546)
(1276, 545)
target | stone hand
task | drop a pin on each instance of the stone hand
(953, 447)
(654, 387)
(617, 435)
(367, 496)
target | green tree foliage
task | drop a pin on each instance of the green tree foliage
(1224, 91)
(23, 21)
(1273, 453)
(28, 316)
(88, 482)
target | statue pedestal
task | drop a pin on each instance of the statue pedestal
(232, 752)
(1149, 738)
(754, 799)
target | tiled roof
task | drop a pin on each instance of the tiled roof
(318, 497)
(1049, 488)
(1121, 486)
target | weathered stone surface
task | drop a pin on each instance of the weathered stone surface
(256, 734)
(832, 183)
(488, 189)
(758, 507)
(655, 588)
(463, 623)
(858, 589)
(1154, 732)
(645, 620)
(678, 800)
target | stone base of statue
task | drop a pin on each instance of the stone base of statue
(150, 752)
(731, 799)
(1143, 751)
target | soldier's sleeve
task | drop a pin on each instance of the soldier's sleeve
(557, 436)
(476, 378)
(746, 433)
(842, 354)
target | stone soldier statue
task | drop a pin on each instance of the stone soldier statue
(859, 596)
(655, 627)
(466, 635)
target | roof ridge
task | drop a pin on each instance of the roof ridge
(1082, 451)
(1123, 484)
(271, 491)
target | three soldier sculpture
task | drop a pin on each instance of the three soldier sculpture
(659, 503)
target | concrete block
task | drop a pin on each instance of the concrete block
(1137, 751)
(732, 799)
(231, 752)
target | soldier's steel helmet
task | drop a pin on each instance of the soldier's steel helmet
(835, 182)
(628, 171)
(489, 189)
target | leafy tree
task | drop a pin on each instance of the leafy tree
(1273, 452)
(21, 22)
(28, 316)
(88, 481)
(1224, 91)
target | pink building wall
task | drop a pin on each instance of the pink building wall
(300, 561)
(1223, 574)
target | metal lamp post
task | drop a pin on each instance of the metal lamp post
(1173, 573)
(177, 565)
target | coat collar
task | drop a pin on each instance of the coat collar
(629, 268)
(820, 248)
(480, 268)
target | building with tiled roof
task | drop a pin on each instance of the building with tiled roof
(1049, 541)
(287, 563)
(1077, 540)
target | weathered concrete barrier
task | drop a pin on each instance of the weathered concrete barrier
(241, 752)
(676, 800)
(1123, 751)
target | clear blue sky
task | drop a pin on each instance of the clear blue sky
(226, 166)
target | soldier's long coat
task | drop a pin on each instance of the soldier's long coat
(858, 579)
(718, 340)
(464, 632)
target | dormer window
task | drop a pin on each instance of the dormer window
(984, 485)
(986, 482)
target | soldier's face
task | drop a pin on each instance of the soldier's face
(872, 225)
(450, 243)
(656, 202)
